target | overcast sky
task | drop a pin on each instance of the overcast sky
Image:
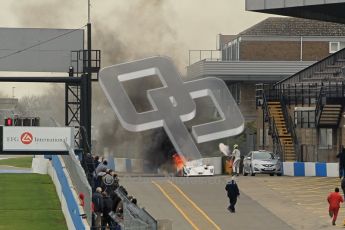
(130, 26)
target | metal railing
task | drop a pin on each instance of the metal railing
(290, 127)
(204, 54)
(273, 130)
(134, 218)
(276, 95)
(300, 93)
(316, 67)
(79, 60)
(328, 91)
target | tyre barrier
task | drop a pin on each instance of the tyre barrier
(318, 169)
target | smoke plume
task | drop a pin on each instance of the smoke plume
(139, 29)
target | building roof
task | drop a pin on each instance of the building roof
(225, 39)
(327, 10)
(286, 26)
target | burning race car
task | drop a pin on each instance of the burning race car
(191, 168)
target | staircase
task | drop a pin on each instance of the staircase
(285, 137)
(330, 115)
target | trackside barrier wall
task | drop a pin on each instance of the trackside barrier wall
(139, 166)
(69, 203)
(40, 165)
(311, 169)
(79, 180)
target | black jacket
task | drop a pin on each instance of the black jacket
(97, 200)
(343, 184)
(90, 163)
(341, 156)
(232, 189)
(107, 205)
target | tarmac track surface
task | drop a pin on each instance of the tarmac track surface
(200, 203)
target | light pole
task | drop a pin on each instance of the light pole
(88, 11)
(13, 91)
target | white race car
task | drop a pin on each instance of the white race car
(202, 170)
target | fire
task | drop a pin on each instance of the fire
(179, 161)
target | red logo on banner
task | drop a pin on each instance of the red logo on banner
(26, 138)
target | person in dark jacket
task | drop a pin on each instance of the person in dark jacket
(97, 200)
(102, 167)
(107, 208)
(90, 163)
(341, 156)
(232, 192)
(96, 161)
(343, 186)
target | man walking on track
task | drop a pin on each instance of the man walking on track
(233, 192)
(236, 155)
(334, 199)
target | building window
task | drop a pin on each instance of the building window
(304, 119)
(325, 138)
(336, 46)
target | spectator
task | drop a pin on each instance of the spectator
(96, 160)
(102, 167)
(107, 208)
(90, 164)
(119, 209)
(107, 183)
(341, 156)
(117, 200)
(97, 200)
(343, 186)
(98, 179)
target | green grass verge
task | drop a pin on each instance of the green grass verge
(29, 201)
(22, 162)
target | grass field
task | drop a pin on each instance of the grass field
(29, 201)
(22, 162)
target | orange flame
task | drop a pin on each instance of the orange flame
(179, 161)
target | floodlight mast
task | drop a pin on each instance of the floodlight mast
(88, 12)
(86, 89)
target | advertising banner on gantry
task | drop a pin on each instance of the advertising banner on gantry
(47, 139)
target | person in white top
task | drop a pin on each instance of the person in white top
(236, 155)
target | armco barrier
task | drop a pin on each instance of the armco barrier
(311, 169)
(138, 166)
(73, 218)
